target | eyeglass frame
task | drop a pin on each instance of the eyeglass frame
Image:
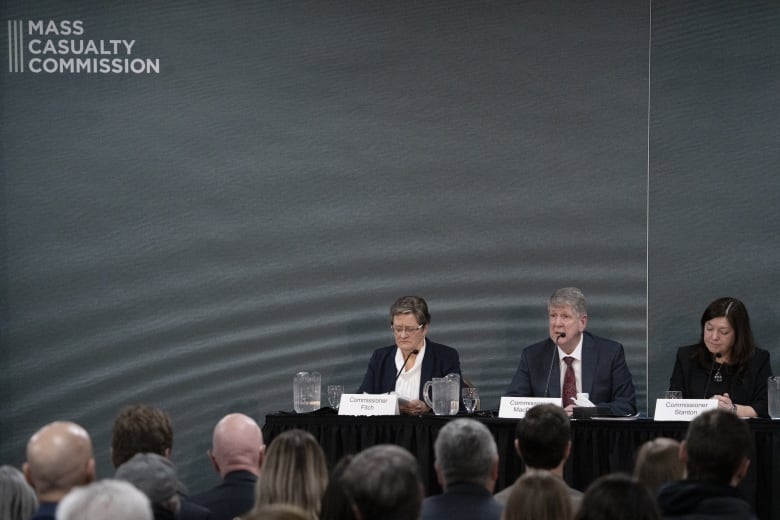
(408, 330)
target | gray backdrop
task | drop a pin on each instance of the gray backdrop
(191, 239)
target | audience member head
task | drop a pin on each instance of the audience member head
(294, 472)
(384, 484)
(59, 457)
(543, 438)
(237, 445)
(336, 505)
(466, 452)
(105, 499)
(739, 347)
(617, 497)
(155, 476)
(414, 305)
(17, 498)
(538, 495)
(277, 512)
(716, 448)
(657, 462)
(140, 429)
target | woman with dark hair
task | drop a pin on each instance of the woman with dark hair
(725, 364)
(615, 497)
(336, 504)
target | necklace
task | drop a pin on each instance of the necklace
(718, 378)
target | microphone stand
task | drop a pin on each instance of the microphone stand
(552, 360)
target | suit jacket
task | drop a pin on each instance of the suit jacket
(696, 381)
(461, 501)
(46, 511)
(605, 375)
(191, 511)
(439, 360)
(233, 497)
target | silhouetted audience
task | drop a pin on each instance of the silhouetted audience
(141, 428)
(384, 484)
(277, 512)
(616, 497)
(236, 453)
(716, 453)
(538, 495)
(106, 499)
(155, 476)
(658, 462)
(59, 458)
(294, 472)
(17, 498)
(543, 441)
(467, 468)
(336, 505)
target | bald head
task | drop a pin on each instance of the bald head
(237, 445)
(59, 457)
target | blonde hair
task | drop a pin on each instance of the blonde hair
(658, 462)
(294, 472)
(538, 495)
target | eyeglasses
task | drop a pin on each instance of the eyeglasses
(397, 329)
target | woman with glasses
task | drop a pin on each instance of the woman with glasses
(404, 367)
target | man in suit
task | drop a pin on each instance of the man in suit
(543, 441)
(467, 468)
(405, 367)
(144, 429)
(572, 361)
(236, 453)
(59, 458)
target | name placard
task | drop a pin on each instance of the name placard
(515, 407)
(682, 409)
(368, 404)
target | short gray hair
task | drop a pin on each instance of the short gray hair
(569, 296)
(17, 498)
(107, 499)
(465, 451)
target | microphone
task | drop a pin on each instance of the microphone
(552, 359)
(413, 352)
(709, 377)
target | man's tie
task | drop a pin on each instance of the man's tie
(569, 383)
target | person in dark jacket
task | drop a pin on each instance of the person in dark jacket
(715, 453)
(237, 451)
(406, 366)
(467, 468)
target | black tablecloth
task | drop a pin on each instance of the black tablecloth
(598, 447)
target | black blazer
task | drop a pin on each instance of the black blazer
(233, 497)
(605, 375)
(439, 361)
(696, 381)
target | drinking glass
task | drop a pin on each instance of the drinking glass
(470, 398)
(306, 391)
(334, 395)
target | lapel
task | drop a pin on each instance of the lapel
(426, 370)
(589, 362)
(555, 371)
